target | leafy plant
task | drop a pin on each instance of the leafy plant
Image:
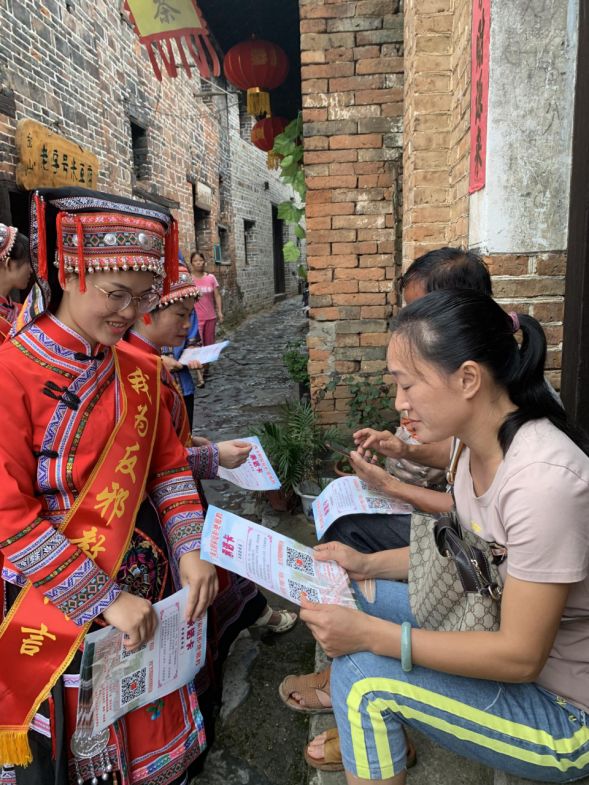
(370, 404)
(289, 145)
(295, 358)
(295, 444)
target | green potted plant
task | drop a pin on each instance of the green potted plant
(295, 359)
(297, 446)
(370, 405)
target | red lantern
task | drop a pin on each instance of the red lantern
(263, 134)
(256, 66)
(265, 131)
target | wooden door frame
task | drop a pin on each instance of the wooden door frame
(575, 358)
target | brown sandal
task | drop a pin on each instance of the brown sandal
(332, 757)
(307, 686)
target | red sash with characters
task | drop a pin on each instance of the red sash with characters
(5, 327)
(37, 641)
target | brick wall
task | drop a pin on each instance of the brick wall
(253, 193)
(436, 125)
(534, 284)
(436, 166)
(84, 74)
(352, 84)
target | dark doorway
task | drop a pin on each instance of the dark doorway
(14, 206)
(14, 211)
(202, 229)
(277, 243)
(575, 361)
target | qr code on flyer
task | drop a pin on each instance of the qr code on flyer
(130, 652)
(133, 686)
(296, 589)
(297, 560)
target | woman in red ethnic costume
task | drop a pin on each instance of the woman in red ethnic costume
(15, 273)
(239, 603)
(84, 440)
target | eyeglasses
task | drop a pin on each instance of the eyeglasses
(121, 299)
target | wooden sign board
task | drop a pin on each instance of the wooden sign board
(49, 160)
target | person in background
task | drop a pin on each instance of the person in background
(209, 306)
(15, 273)
(182, 372)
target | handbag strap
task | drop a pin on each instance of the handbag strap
(457, 448)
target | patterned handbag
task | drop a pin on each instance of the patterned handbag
(454, 580)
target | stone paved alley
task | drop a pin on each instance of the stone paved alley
(259, 741)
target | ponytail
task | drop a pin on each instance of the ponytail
(450, 327)
(529, 390)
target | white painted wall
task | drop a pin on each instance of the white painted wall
(524, 205)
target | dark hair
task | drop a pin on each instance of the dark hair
(447, 328)
(448, 268)
(197, 253)
(20, 249)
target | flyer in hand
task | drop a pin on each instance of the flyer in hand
(256, 474)
(350, 496)
(115, 681)
(272, 560)
(204, 354)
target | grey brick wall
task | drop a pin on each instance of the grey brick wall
(83, 73)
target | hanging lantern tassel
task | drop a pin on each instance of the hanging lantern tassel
(273, 160)
(258, 102)
(60, 251)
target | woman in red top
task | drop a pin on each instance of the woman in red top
(85, 441)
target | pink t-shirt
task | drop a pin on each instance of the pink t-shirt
(538, 506)
(205, 305)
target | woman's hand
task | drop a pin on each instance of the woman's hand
(201, 578)
(383, 442)
(338, 630)
(374, 476)
(133, 616)
(171, 364)
(369, 438)
(200, 441)
(233, 454)
(356, 564)
(220, 317)
(194, 365)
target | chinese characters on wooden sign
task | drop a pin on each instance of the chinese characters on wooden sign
(48, 160)
(479, 96)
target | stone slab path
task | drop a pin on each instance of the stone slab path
(259, 741)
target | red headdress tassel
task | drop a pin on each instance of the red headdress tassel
(42, 271)
(147, 318)
(81, 260)
(171, 256)
(60, 255)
